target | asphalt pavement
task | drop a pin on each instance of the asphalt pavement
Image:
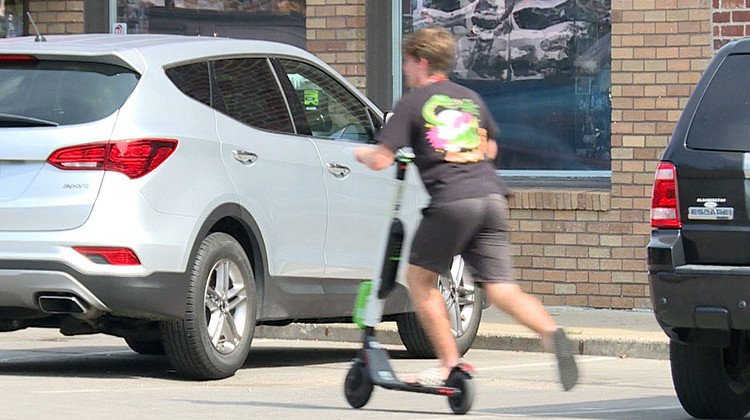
(596, 332)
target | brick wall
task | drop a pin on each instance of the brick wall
(588, 249)
(336, 34)
(596, 257)
(57, 17)
(731, 20)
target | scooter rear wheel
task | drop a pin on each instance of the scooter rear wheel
(461, 404)
(357, 386)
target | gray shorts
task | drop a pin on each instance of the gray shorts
(476, 228)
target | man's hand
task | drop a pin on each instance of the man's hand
(375, 158)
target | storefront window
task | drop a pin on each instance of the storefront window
(272, 20)
(543, 67)
(11, 18)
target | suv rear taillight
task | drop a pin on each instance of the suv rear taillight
(665, 204)
(134, 158)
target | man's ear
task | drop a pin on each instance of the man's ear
(423, 63)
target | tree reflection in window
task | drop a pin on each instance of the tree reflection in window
(543, 67)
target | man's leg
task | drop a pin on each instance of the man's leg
(530, 312)
(526, 309)
(432, 314)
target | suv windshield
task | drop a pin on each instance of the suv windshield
(61, 92)
(722, 120)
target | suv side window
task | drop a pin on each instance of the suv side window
(192, 80)
(246, 90)
(331, 110)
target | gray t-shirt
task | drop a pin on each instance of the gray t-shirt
(447, 125)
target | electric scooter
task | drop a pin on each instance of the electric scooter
(372, 365)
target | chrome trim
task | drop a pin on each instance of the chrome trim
(21, 288)
(244, 157)
(339, 171)
(695, 269)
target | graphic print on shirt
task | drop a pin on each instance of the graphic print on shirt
(453, 129)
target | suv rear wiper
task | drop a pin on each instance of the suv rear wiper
(10, 120)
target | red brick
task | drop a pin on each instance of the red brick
(722, 17)
(741, 16)
(356, 22)
(554, 300)
(718, 43)
(336, 22)
(732, 30)
(732, 4)
(622, 303)
(576, 300)
(600, 302)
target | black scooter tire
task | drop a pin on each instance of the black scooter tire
(357, 386)
(461, 404)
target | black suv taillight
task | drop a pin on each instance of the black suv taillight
(134, 158)
(665, 204)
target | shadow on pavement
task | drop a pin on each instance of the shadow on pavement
(661, 408)
(119, 362)
(304, 406)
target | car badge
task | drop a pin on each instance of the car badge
(710, 209)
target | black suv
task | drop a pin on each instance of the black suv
(699, 253)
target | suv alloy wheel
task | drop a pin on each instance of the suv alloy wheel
(463, 302)
(214, 339)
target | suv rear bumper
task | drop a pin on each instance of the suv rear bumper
(687, 296)
(155, 296)
(718, 302)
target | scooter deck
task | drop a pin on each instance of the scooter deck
(382, 375)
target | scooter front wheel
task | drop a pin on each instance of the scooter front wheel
(357, 386)
(462, 381)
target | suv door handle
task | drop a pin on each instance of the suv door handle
(339, 171)
(244, 157)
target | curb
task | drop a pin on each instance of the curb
(585, 344)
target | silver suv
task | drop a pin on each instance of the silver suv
(178, 191)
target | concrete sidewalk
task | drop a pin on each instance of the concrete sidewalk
(618, 333)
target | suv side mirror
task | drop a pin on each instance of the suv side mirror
(387, 116)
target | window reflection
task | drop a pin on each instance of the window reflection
(331, 111)
(246, 90)
(542, 66)
(272, 20)
(11, 18)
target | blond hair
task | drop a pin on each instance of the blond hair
(435, 45)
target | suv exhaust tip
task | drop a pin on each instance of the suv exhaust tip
(61, 304)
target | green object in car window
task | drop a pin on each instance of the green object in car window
(311, 99)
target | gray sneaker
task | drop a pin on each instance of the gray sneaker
(566, 364)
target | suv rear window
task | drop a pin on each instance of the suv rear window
(722, 120)
(63, 92)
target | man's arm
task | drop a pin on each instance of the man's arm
(491, 149)
(377, 158)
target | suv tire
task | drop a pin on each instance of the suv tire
(704, 386)
(459, 292)
(213, 339)
(145, 347)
